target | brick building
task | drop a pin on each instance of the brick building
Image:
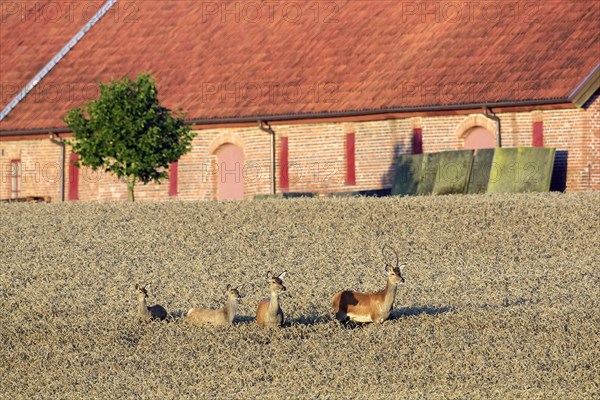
(326, 94)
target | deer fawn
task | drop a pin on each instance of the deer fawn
(146, 313)
(222, 316)
(269, 311)
(369, 307)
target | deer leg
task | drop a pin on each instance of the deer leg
(342, 317)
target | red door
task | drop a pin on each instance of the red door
(230, 179)
(73, 178)
(479, 138)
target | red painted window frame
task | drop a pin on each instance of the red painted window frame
(174, 178)
(538, 134)
(15, 178)
(350, 159)
(73, 178)
(417, 141)
(284, 164)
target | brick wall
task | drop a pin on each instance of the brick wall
(317, 155)
(40, 161)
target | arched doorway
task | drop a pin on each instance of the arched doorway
(230, 168)
(477, 131)
(479, 137)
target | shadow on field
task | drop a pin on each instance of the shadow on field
(308, 319)
(176, 315)
(318, 319)
(413, 311)
(508, 303)
(243, 319)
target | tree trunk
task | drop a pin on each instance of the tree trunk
(130, 185)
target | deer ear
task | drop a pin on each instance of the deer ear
(282, 275)
(269, 274)
(387, 267)
(228, 287)
(147, 287)
(137, 286)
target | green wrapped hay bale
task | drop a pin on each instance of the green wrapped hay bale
(293, 195)
(480, 171)
(535, 167)
(267, 196)
(502, 170)
(521, 169)
(453, 170)
(429, 169)
(408, 175)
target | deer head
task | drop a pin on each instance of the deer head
(394, 273)
(234, 294)
(276, 282)
(142, 292)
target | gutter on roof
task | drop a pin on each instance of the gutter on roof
(398, 110)
(586, 89)
(319, 115)
(33, 132)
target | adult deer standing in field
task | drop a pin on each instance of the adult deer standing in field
(269, 311)
(370, 307)
(146, 313)
(222, 316)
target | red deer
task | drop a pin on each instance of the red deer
(146, 313)
(369, 307)
(269, 311)
(222, 316)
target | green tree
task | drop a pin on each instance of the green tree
(128, 133)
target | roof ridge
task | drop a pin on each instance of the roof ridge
(586, 89)
(52, 63)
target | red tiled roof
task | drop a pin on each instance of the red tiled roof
(325, 57)
(32, 33)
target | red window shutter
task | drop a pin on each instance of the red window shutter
(284, 178)
(173, 178)
(417, 145)
(538, 134)
(350, 159)
(73, 178)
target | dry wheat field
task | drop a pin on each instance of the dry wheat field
(501, 300)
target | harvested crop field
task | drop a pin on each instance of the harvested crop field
(501, 300)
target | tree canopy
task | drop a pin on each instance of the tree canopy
(127, 132)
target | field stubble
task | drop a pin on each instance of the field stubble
(501, 298)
